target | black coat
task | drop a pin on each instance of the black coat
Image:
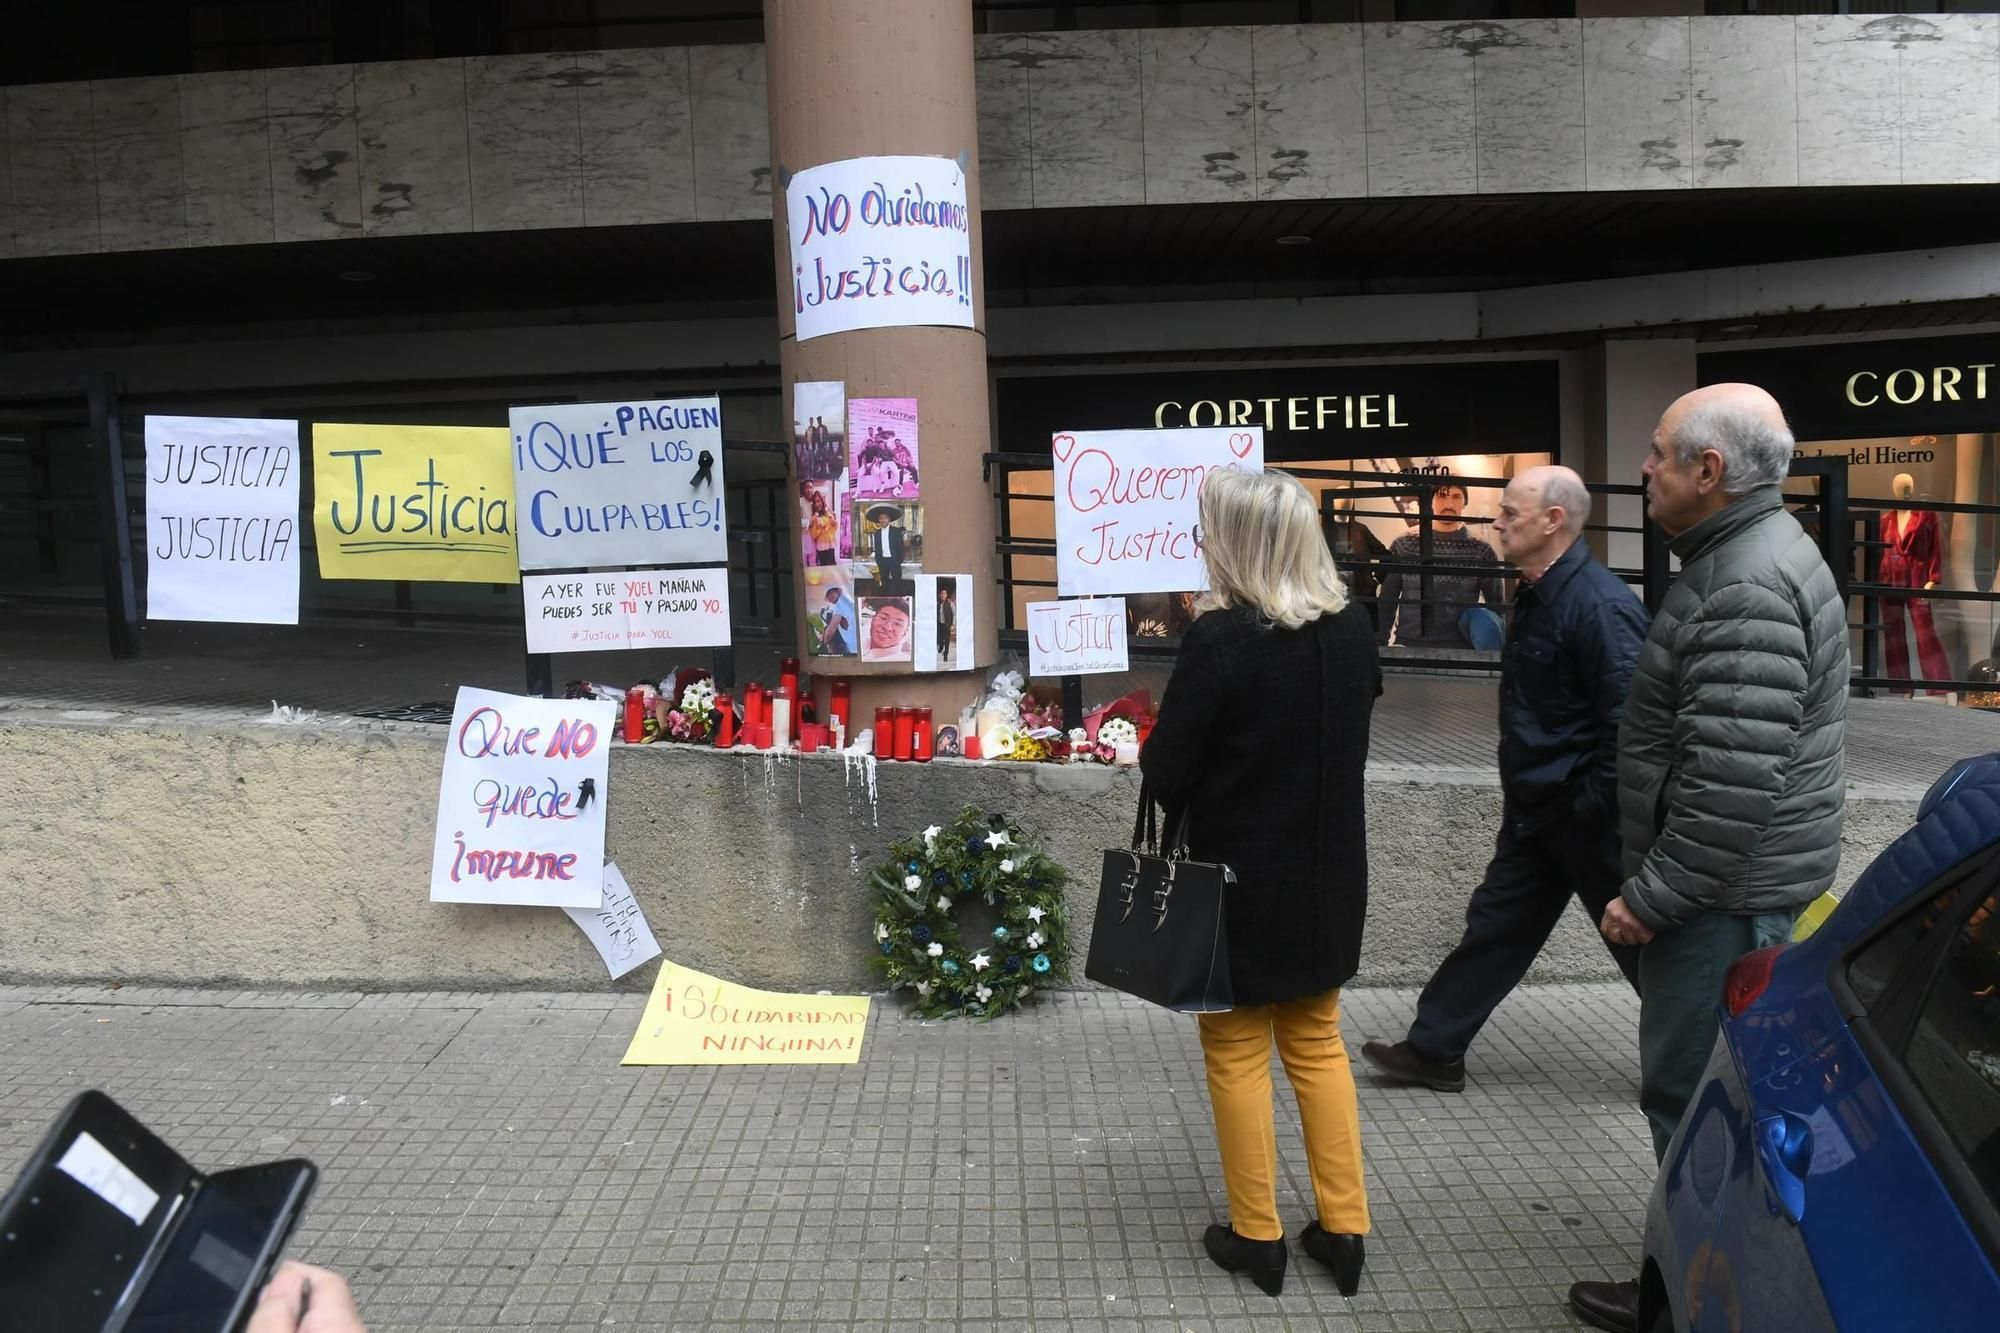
(1263, 739)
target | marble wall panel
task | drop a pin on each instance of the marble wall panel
(1088, 127)
(1000, 71)
(1746, 101)
(524, 141)
(416, 175)
(1198, 118)
(732, 134)
(6, 185)
(315, 153)
(1638, 111)
(226, 157)
(1528, 103)
(637, 136)
(1421, 100)
(136, 126)
(1949, 126)
(1312, 111)
(53, 169)
(1848, 106)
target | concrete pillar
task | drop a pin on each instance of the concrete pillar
(864, 78)
(1640, 376)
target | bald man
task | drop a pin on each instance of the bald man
(1568, 657)
(1730, 788)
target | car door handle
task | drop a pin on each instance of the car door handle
(1785, 1150)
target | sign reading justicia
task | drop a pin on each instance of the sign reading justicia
(879, 242)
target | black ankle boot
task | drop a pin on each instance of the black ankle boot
(1338, 1251)
(1263, 1260)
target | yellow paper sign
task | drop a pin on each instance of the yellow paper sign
(695, 1019)
(426, 503)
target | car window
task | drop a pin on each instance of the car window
(1881, 961)
(1954, 1052)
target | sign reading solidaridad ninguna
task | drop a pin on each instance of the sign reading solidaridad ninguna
(1128, 505)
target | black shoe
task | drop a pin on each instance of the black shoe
(1263, 1260)
(1607, 1305)
(1338, 1251)
(1403, 1063)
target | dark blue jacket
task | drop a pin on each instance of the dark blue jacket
(1565, 670)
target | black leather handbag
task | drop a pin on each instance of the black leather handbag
(1160, 932)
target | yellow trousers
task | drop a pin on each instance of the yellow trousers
(1237, 1048)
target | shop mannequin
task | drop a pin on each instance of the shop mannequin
(1914, 559)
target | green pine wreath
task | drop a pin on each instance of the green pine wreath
(916, 932)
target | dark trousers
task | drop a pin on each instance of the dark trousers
(1528, 883)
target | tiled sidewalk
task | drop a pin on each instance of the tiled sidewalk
(485, 1161)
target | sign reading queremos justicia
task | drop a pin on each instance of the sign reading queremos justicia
(1309, 412)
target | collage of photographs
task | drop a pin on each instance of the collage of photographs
(861, 533)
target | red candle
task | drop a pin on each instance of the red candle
(635, 715)
(788, 675)
(906, 726)
(920, 737)
(725, 722)
(841, 704)
(885, 733)
(753, 705)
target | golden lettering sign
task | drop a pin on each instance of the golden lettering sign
(1909, 385)
(1365, 411)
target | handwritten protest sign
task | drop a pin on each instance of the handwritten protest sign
(414, 502)
(618, 928)
(1077, 638)
(879, 242)
(641, 608)
(619, 483)
(521, 809)
(692, 1018)
(222, 520)
(1128, 504)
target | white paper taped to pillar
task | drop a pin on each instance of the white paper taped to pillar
(880, 242)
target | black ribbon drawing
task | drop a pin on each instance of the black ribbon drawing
(701, 472)
(586, 792)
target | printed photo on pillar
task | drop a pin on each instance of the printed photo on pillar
(819, 429)
(819, 525)
(888, 540)
(833, 620)
(882, 448)
(944, 613)
(888, 620)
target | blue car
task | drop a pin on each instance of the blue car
(1839, 1167)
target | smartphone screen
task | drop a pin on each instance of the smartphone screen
(222, 1254)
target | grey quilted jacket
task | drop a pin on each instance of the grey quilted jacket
(1730, 789)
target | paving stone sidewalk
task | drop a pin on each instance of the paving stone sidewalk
(486, 1162)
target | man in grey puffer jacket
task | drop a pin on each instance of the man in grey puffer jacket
(1730, 785)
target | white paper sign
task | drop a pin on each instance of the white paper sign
(944, 623)
(880, 242)
(521, 808)
(618, 928)
(1079, 638)
(619, 483)
(222, 520)
(1128, 505)
(639, 608)
(93, 1166)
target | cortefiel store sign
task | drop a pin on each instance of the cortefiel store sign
(1439, 408)
(1854, 391)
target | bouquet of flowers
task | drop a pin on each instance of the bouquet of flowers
(694, 719)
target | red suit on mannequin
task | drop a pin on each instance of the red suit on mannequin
(1914, 559)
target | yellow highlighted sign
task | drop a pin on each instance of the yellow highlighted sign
(695, 1019)
(426, 503)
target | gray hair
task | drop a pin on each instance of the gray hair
(1566, 491)
(1755, 450)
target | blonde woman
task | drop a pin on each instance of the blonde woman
(1261, 739)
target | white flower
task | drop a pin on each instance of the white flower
(983, 994)
(1118, 731)
(699, 697)
(911, 883)
(944, 903)
(930, 835)
(1035, 940)
(936, 950)
(923, 988)
(997, 839)
(881, 932)
(1035, 914)
(1006, 867)
(980, 962)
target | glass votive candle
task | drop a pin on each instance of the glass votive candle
(906, 726)
(725, 722)
(920, 736)
(885, 733)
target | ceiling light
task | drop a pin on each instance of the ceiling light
(357, 275)
(1295, 239)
